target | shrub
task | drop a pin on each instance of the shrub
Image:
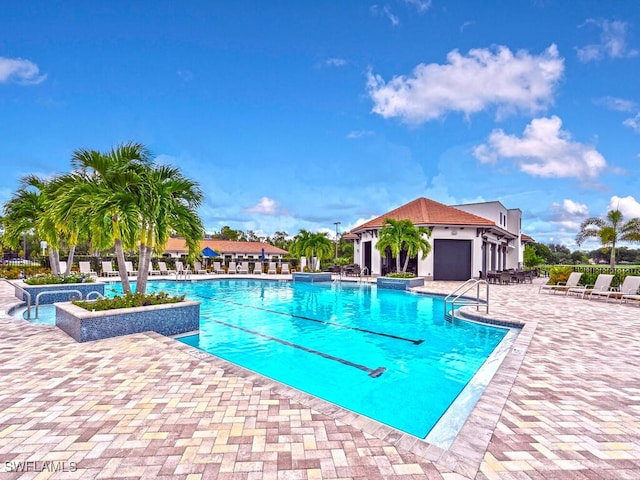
(400, 275)
(559, 273)
(129, 301)
(50, 279)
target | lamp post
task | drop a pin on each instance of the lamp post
(336, 224)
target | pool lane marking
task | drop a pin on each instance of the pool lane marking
(382, 334)
(373, 372)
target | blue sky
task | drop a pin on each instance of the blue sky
(299, 114)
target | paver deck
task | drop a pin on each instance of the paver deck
(565, 404)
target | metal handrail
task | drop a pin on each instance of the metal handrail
(98, 295)
(49, 292)
(24, 292)
(463, 289)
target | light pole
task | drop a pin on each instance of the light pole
(336, 224)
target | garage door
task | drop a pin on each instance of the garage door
(451, 259)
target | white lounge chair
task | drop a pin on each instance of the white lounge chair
(571, 282)
(603, 284)
(181, 269)
(272, 268)
(63, 267)
(232, 267)
(257, 268)
(285, 269)
(197, 268)
(628, 290)
(162, 268)
(244, 268)
(85, 269)
(108, 271)
(217, 268)
(153, 271)
(130, 270)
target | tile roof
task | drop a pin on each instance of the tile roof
(425, 212)
(226, 247)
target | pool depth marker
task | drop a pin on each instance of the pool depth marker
(381, 334)
(373, 372)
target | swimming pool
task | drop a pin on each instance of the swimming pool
(385, 354)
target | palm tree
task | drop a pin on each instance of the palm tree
(312, 245)
(399, 235)
(610, 231)
(26, 211)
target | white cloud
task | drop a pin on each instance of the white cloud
(633, 122)
(266, 206)
(335, 62)
(421, 5)
(20, 71)
(469, 84)
(465, 25)
(575, 208)
(613, 42)
(544, 150)
(359, 134)
(629, 206)
(617, 104)
(385, 11)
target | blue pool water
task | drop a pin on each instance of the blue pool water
(386, 354)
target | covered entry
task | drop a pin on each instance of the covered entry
(452, 259)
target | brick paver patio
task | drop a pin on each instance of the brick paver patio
(565, 404)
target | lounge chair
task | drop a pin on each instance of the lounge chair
(257, 268)
(108, 271)
(63, 267)
(85, 269)
(272, 268)
(130, 270)
(232, 268)
(162, 267)
(571, 282)
(603, 284)
(197, 268)
(628, 290)
(153, 271)
(244, 268)
(217, 267)
(285, 269)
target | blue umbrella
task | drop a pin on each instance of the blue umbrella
(207, 252)
(262, 255)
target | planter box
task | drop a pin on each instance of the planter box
(59, 292)
(399, 283)
(312, 277)
(167, 319)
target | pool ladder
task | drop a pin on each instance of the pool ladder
(458, 298)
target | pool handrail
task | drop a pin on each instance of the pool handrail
(54, 291)
(469, 284)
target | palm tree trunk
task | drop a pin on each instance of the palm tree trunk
(398, 262)
(612, 259)
(72, 251)
(122, 269)
(143, 269)
(54, 261)
(406, 263)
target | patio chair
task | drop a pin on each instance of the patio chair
(243, 268)
(285, 269)
(603, 284)
(153, 270)
(272, 268)
(571, 282)
(232, 267)
(217, 267)
(197, 268)
(130, 270)
(63, 267)
(628, 289)
(257, 268)
(162, 268)
(85, 269)
(108, 271)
